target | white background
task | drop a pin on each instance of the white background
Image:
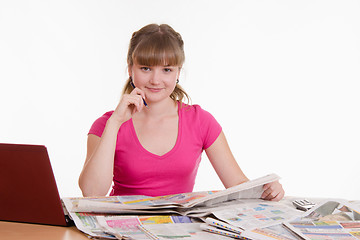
(281, 77)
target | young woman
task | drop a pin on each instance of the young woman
(151, 144)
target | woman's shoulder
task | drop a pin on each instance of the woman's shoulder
(190, 107)
(107, 115)
(194, 111)
(99, 124)
(201, 121)
(103, 118)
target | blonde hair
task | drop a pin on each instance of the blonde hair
(155, 45)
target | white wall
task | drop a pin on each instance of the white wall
(282, 78)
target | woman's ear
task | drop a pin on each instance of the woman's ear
(178, 76)
(130, 70)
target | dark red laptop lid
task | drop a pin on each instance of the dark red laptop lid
(28, 191)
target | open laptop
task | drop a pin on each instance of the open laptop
(28, 191)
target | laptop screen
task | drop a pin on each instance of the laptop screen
(28, 191)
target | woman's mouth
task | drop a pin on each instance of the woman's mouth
(154, 89)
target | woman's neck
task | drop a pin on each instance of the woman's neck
(159, 109)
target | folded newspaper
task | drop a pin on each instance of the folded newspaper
(331, 220)
(175, 203)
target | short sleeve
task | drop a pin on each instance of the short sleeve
(210, 128)
(98, 126)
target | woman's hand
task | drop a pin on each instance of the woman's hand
(129, 104)
(273, 191)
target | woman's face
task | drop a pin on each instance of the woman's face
(157, 82)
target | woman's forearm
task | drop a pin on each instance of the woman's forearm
(97, 174)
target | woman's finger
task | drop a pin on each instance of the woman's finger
(273, 191)
(128, 105)
(138, 91)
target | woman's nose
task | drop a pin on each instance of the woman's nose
(155, 78)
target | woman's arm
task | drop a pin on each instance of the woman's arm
(97, 174)
(224, 163)
(230, 173)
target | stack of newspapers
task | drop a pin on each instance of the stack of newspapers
(135, 217)
(236, 212)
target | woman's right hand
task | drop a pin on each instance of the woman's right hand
(129, 105)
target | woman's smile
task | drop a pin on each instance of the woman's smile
(155, 90)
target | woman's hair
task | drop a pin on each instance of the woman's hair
(155, 45)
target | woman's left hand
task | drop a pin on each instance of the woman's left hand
(273, 191)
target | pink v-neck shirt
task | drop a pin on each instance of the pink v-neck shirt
(140, 172)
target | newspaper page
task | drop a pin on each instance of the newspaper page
(124, 204)
(100, 225)
(256, 214)
(250, 189)
(204, 211)
(189, 231)
(113, 203)
(127, 227)
(88, 224)
(120, 227)
(111, 207)
(330, 220)
(274, 232)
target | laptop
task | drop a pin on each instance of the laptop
(28, 191)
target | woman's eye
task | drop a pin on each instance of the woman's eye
(145, 69)
(167, 69)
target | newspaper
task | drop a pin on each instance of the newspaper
(127, 227)
(184, 201)
(280, 232)
(88, 224)
(274, 232)
(93, 225)
(201, 212)
(97, 216)
(191, 231)
(331, 220)
(254, 219)
(120, 227)
(256, 214)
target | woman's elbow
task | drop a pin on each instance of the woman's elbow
(91, 190)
